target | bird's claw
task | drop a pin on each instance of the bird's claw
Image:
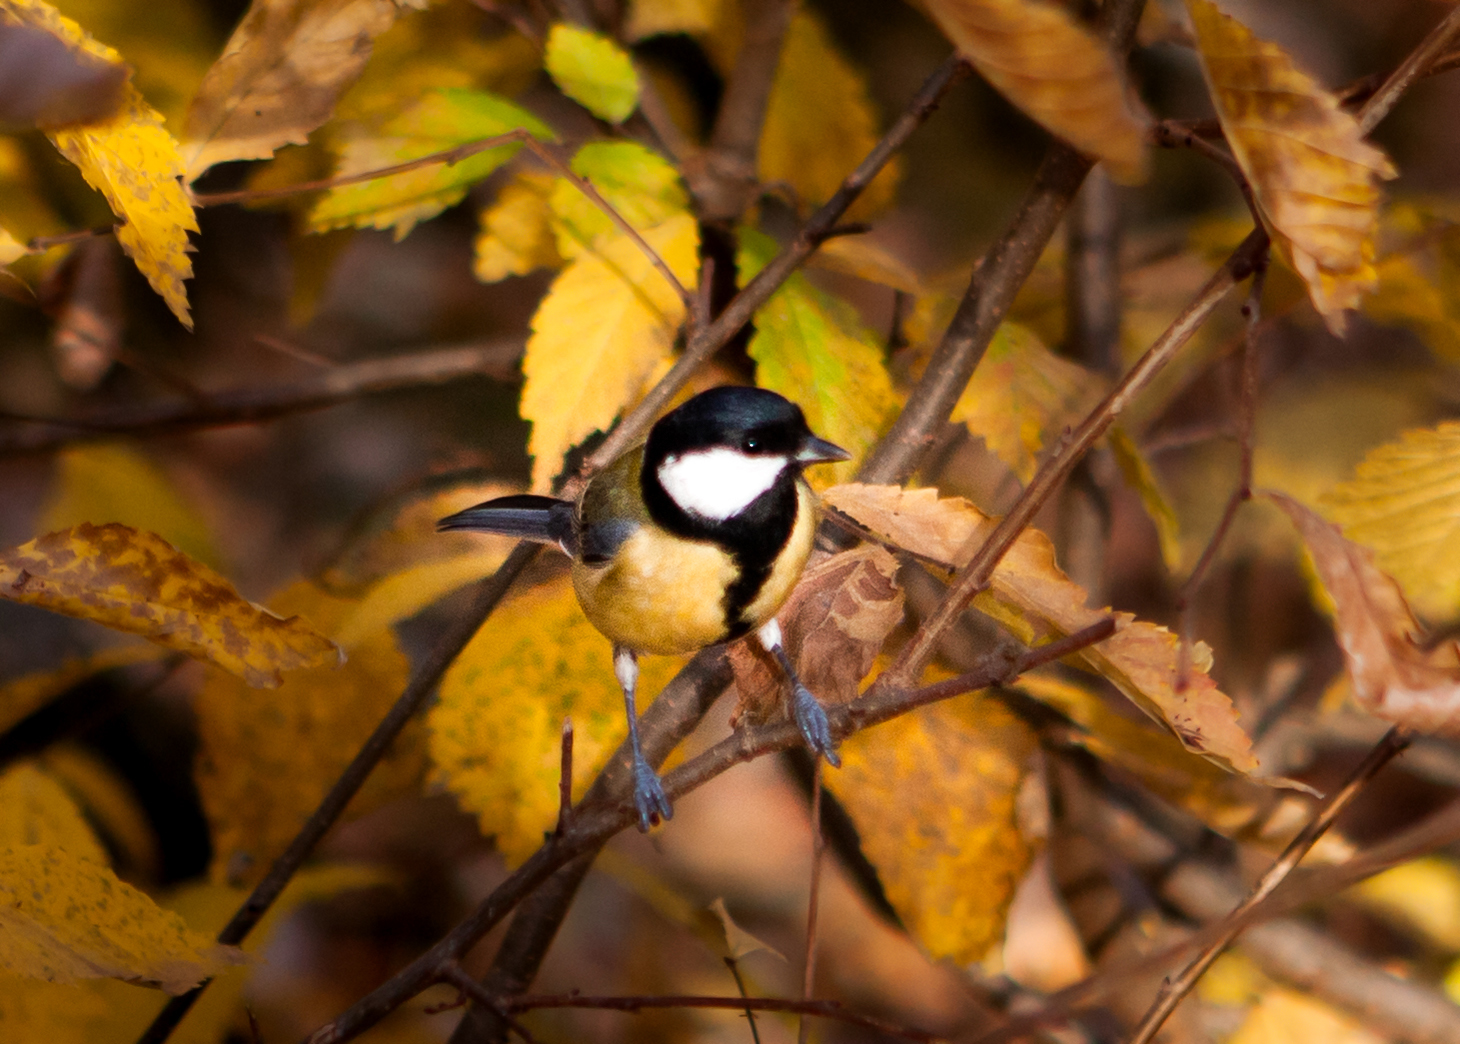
(811, 720)
(649, 797)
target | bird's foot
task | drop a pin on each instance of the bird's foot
(649, 797)
(811, 720)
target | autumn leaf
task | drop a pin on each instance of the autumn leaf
(933, 795)
(66, 918)
(1022, 395)
(47, 80)
(861, 257)
(136, 582)
(22, 696)
(811, 347)
(1404, 503)
(834, 623)
(592, 70)
(1040, 58)
(1421, 896)
(1314, 176)
(1417, 277)
(517, 231)
(819, 122)
(109, 807)
(132, 161)
(39, 811)
(1284, 1016)
(657, 17)
(1141, 477)
(267, 759)
(608, 319)
(441, 120)
(279, 77)
(641, 186)
(1393, 676)
(1030, 596)
(11, 249)
(496, 732)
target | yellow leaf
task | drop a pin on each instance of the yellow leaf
(134, 163)
(1141, 477)
(1423, 895)
(1022, 395)
(657, 17)
(1404, 503)
(39, 811)
(496, 732)
(136, 582)
(1041, 59)
(279, 77)
(640, 185)
(67, 918)
(1314, 176)
(268, 758)
(31, 1010)
(861, 257)
(606, 322)
(517, 231)
(22, 696)
(1033, 598)
(592, 70)
(108, 804)
(933, 795)
(819, 122)
(11, 249)
(114, 482)
(813, 349)
(1285, 1016)
(441, 120)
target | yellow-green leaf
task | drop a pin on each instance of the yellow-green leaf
(819, 122)
(39, 811)
(933, 795)
(279, 77)
(496, 733)
(517, 231)
(814, 350)
(137, 582)
(1039, 57)
(592, 70)
(607, 321)
(1022, 395)
(1314, 175)
(268, 758)
(441, 120)
(1404, 503)
(115, 482)
(1141, 477)
(132, 161)
(65, 918)
(1033, 598)
(640, 185)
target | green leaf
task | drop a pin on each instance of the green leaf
(439, 121)
(593, 71)
(641, 186)
(814, 350)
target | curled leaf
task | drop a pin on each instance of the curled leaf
(1031, 596)
(1036, 55)
(1393, 676)
(1314, 175)
(135, 581)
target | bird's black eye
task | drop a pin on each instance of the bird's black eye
(750, 444)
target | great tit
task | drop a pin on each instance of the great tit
(696, 536)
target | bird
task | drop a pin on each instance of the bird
(694, 537)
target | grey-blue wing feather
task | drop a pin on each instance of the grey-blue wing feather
(600, 541)
(527, 517)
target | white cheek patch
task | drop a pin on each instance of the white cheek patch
(718, 483)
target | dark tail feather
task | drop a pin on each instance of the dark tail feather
(526, 517)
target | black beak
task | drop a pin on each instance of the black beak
(819, 451)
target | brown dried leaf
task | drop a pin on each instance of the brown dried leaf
(1314, 175)
(47, 82)
(1033, 598)
(280, 75)
(1392, 676)
(137, 582)
(834, 624)
(1042, 60)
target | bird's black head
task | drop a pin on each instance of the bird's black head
(752, 421)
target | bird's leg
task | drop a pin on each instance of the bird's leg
(809, 715)
(649, 797)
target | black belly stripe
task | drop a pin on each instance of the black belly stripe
(754, 538)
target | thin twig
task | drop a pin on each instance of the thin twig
(565, 779)
(1173, 991)
(813, 899)
(1411, 69)
(454, 974)
(734, 966)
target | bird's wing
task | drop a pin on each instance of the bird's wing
(527, 517)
